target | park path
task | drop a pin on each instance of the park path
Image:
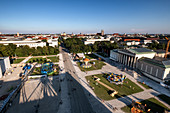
(120, 102)
(105, 85)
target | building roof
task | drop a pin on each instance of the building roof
(80, 55)
(152, 39)
(141, 51)
(164, 63)
(160, 51)
(86, 60)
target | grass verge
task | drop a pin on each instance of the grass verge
(16, 61)
(54, 59)
(164, 98)
(39, 60)
(144, 85)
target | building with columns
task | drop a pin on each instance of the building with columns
(144, 60)
(157, 69)
(129, 57)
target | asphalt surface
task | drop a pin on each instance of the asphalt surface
(78, 100)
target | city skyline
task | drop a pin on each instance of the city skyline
(85, 16)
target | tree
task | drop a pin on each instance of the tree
(95, 48)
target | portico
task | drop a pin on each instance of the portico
(129, 57)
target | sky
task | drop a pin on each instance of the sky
(85, 16)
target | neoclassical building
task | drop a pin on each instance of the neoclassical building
(144, 60)
(157, 69)
(129, 57)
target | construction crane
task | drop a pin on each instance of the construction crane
(167, 47)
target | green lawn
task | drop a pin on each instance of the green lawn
(98, 65)
(164, 98)
(37, 71)
(144, 85)
(91, 56)
(152, 103)
(54, 59)
(123, 90)
(17, 60)
(39, 60)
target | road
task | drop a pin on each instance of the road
(78, 100)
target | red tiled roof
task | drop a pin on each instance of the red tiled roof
(131, 39)
(2, 38)
(152, 39)
(55, 37)
(42, 38)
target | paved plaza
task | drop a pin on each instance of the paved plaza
(39, 95)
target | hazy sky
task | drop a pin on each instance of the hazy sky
(86, 16)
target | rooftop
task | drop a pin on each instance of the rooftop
(141, 51)
(160, 51)
(164, 63)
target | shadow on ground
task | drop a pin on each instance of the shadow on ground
(41, 95)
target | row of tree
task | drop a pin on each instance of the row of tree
(76, 45)
(23, 51)
(156, 45)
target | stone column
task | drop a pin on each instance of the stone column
(119, 57)
(129, 61)
(126, 60)
(134, 62)
(122, 58)
(137, 62)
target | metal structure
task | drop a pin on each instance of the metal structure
(167, 48)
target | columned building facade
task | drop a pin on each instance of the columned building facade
(145, 61)
(129, 57)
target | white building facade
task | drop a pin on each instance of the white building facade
(92, 41)
(34, 43)
(53, 42)
(4, 65)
